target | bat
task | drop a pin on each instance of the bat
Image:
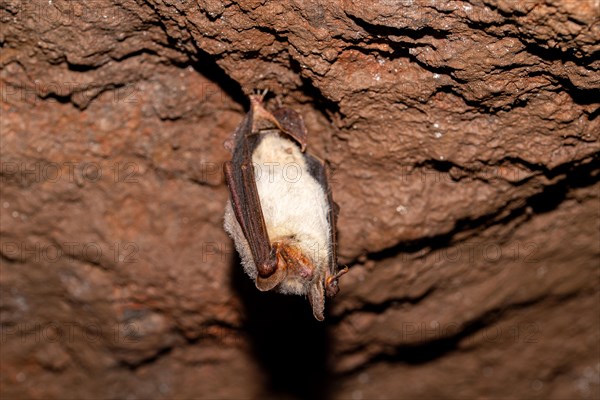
(281, 214)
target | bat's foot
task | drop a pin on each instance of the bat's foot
(259, 95)
(331, 283)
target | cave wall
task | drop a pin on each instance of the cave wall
(464, 141)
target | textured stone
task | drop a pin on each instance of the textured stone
(464, 141)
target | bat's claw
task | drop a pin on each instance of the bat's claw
(331, 283)
(259, 95)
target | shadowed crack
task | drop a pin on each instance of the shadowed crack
(378, 308)
(160, 354)
(448, 341)
(575, 175)
(383, 30)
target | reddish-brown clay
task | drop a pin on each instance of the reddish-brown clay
(463, 138)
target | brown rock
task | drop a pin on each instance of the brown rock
(464, 139)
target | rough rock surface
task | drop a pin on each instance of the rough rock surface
(464, 137)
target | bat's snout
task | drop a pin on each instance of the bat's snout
(294, 260)
(288, 260)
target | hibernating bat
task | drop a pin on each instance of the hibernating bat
(281, 214)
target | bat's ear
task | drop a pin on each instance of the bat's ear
(316, 297)
(268, 283)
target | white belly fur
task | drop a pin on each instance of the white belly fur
(293, 203)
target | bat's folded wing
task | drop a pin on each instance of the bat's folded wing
(240, 178)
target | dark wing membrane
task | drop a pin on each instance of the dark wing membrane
(318, 170)
(239, 134)
(240, 178)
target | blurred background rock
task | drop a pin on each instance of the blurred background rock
(464, 140)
